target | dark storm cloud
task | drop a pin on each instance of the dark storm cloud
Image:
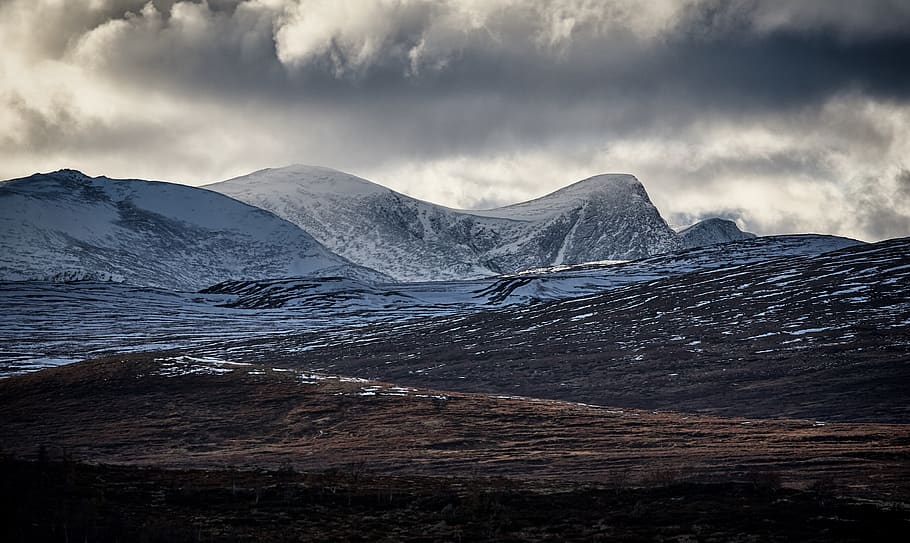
(496, 98)
(849, 19)
(504, 55)
(696, 63)
(884, 209)
(503, 84)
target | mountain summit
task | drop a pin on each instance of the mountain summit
(711, 231)
(611, 185)
(606, 217)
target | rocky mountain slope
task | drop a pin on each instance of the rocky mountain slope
(824, 337)
(606, 217)
(540, 284)
(68, 226)
(45, 323)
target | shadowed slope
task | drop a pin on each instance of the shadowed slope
(184, 412)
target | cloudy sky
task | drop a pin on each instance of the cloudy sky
(787, 116)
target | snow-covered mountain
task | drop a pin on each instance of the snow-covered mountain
(711, 231)
(66, 225)
(606, 217)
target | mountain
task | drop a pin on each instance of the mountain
(606, 217)
(711, 231)
(68, 226)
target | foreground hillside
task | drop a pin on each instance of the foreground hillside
(123, 503)
(723, 393)
(176, 411)
(201, 448)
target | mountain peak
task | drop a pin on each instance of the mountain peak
(604, 217)
(712, 230)
(64, 174)
(301, 178)
(48, 181)
(69, 172)
(617, 185)
(304, 169)
(606, 180)
(608, 187)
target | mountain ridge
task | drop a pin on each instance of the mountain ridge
(367, 231)
(604, 217)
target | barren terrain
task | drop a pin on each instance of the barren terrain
(172, 448)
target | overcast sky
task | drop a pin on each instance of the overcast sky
(787, 116)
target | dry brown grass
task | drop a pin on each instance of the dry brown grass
(119, 411)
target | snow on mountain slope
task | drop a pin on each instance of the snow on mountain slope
(555, 283)
(66, 225)
(604, 217)
(824, 337)
(619, 186)
(367, 223)
(711, 231)
(585, 279)
(53, 323)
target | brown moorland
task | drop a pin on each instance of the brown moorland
(181, 413)
(169, 448)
